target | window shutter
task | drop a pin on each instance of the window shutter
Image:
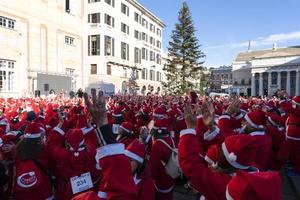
(89, 45)
(113, 46)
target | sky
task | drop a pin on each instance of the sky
(225, 27)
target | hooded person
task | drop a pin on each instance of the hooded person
(72, 161)
(141, 173)
(160, 152)
(32, 161)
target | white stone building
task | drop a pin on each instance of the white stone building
(123, 36)
(258, 73)
(41, 46)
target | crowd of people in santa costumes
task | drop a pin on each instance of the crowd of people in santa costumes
(135, 147)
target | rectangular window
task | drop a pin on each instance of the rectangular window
(137, 35)
(70, 71)
(152, 28)
(7, 23)
(124, 51)
(145, 37)
(158, 32)
(108, 69)
(158, 58)
(93, 68)
(94, 18)
(137, 55)
(152, 41)
(7, 75)
(137, 17)
(109, 20)
(158, 44)
(152, 75)
(110, 2)
(109, 46)
(144, 74)
(94, 45)
(144, 54)
(69, 40)
(68, 6)
(125, 28)
(145, 23)
(124, 9)
(152, 56)
(125, 72)
(158, 76)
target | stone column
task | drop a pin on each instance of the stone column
(269, 83)
(261, 84)
(253, 92)
(288, 82)
(297, 84)
(279, 80)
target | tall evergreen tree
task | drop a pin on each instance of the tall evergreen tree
(183, 67)
(132, 84)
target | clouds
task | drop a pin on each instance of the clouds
(262, 41)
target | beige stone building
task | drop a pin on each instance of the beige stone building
(41, 46)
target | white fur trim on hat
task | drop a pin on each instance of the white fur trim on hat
(255, 133)
(189, 131)
(228, 196)
(272, 122)
(59, 130)
(231, 158)
(117, 115)
(239, 116)
(296, 103)
(158, 115)
(208, 136)
(224, 117)
(247, 118)
(32, 136)
(156, 128)
(110, 150)
(134, 156)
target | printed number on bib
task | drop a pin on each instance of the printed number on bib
(81, 183)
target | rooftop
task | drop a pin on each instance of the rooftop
(268, 53)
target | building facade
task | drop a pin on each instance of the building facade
(41, 46)
(124, 42)
(259, 73)
(220, 80)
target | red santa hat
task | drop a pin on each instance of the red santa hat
(212, 155)
(256, 119)
(259, 186)
(74, 137)
(128, 127)
(296, 100)
(81, 121)
(160, 124)
(193, 97)
(89, 195)
(244, 107)
(270, 105)
(4, 124)
(239, 151)
(136, 151)
(117, 112)
(34, 130)
(7, 138)
(160, 112)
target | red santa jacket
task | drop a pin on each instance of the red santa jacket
(160, 152)
(210, 184)
(117, 182)
(145, 185)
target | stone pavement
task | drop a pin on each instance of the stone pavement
(290, 189)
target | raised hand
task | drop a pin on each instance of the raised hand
(208, 113)
(97, 108)
(190, 116)
(234, 106)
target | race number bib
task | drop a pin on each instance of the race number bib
(81, 183)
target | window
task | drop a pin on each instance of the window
(158, 32)
(93, 1)
(158, 44)
(145, 37)
(152, 56)
(124, 9)
(144, 54)
(152, 28)
(94, 18)
(137, 35)
(152, 41)
(7, 23)
(109, 46)
(137, 74)
(158, 59)
(94, 45)
(70, 71)
(124, 72)
(110, 2)
(124, 51)
(108, 69)
(7, 75)
(109, 20)
(67, 6)
(145, 23)
(152, 75)
(137, 17)
(137, 55)
(144, 74)
(158, 76)
(125, 28)
(93, 68)
(69, 40)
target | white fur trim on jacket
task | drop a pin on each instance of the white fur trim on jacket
(208, 136)
(109, 150)
(59, 130)
(231, 158)
(189, 131)
(134, 156)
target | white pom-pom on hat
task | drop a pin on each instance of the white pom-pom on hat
(232, 157)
